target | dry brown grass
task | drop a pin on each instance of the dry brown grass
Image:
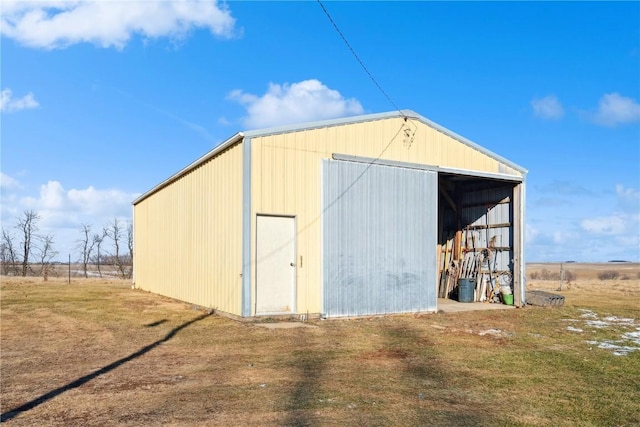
(589, 271)
(587, 289)
(99, 353)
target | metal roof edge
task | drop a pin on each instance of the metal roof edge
(468, 142)
(212, 153)
(425, 167)
(324, 123)
(381, 116)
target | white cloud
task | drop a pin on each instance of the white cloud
(63, 211)
(55, 203)
(616, 224)
(304, 101)
(615, 109)
(563, 236)
(94, 201)
(9, 104)
(630, 193)
(531, 233)
(548, 107)
(58, 24)
(594, 229)
(8, 183)
(628, 199)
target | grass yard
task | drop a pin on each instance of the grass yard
(98, 353)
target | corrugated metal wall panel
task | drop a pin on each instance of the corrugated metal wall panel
(188, 236)
(379, 239)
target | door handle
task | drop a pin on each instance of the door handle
(292, 264)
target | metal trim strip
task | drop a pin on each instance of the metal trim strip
(433, 168)
(246, 228)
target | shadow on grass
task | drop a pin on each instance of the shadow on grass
(438, 402)
(156, 323)
(6, 416)
(303, 399)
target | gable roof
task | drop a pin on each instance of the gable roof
(406, 114)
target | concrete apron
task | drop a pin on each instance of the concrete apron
(451, 306)
(284, 325)
(444, 306)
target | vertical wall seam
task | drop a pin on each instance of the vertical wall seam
(246, 227)
(522, 225)
(322, 241)
(133, 245)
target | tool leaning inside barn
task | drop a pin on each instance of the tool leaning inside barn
(475, 254)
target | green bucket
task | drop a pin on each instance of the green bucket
(508, 299)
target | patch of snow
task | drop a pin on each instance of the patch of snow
(607, 345)
(618, 350)
(572, 329)
(496, 332)
(588, 313)
(615, 319)
(632, 336)
(599, 324)
(618, 347)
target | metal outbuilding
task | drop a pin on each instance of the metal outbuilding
(348, 217)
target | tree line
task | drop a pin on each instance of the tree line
(26, 252)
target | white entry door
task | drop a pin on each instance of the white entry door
(275, 264)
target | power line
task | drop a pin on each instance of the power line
(358, 58)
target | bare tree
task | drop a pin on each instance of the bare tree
(97, 240)
(5, 257)
(46, 254)
(86, 244)
(115, 233)
(8, 255)
(28, 225)
(130, 246)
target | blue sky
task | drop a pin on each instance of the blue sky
(103, 100)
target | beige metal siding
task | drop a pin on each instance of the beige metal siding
(293, 188)
(286, 178)
(188, 235)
